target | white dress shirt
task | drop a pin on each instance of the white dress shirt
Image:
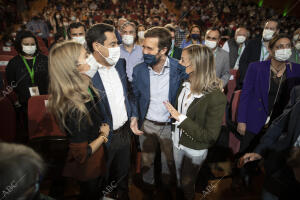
(115, 95)
(184, 102)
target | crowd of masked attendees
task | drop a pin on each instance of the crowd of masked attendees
(134, 76)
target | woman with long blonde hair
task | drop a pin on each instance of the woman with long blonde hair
(200, 109)
(76, 106)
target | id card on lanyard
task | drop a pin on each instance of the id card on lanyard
(34, 91)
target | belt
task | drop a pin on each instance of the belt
(121, 128)
(159, 123)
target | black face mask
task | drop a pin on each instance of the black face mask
(155, 23)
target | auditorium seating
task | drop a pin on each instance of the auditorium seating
(40, 122)
(234, 137)
(7, 120)
(4, 59)
(11, 51)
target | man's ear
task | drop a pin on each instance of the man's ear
(95, 46)
(163, 51)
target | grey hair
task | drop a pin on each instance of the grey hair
(128, 24)
(20, 167)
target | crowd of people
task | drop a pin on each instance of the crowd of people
(134, 71)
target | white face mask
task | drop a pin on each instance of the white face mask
(240, 39)
(297, 45)
(128, 39)
(141, 34)
(66, 24)
(73, 18)
(295, 38)
(92, 62)
(283, 54)
(113, 55)
(29, 49)
(268, 34)
(79, 39)
(210, 44)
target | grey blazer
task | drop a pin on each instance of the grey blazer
(222, 65)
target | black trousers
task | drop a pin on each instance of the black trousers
(91, 189)
(118, 163)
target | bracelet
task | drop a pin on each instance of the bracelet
(104, 138)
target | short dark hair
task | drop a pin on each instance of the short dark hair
(276, 38)
(18, 42)
(97, 34)
(273, 20)
(108, 21)
(163, 35)
(75, 25)
(214, 29)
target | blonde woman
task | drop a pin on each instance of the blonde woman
(200, 109)
(76, 106)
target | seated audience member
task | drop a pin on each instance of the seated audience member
(132, 53)
(266, 91)
(212, 38)
(7, 45)
(75, 104)
(21, 170)
(199, 111)
(181, 33)
(175, 52)
(274, 147)
(192, 38)
(58, 38)
(28, 71)
(140, 34)
(121, 21)
(257, 49)
(235, 46)
(76, 31)
(296, 50)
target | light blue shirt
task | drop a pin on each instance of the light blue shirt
(159, 92)
(264, 53)
(132, 59)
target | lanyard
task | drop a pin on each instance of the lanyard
(30, 71)
(90, 92)
(171, 55)
(240, 50)
(297, 58)
(263, 52)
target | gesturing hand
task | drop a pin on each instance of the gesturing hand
(104, 130)
(174, 113)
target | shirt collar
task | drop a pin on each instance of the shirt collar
(166, 65)
(101, 67)
(187, 85)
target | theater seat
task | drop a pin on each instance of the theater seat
(234, 137)
(4, 59)
(231, 83)
(40, 122)
(10, 51)
(7, 120)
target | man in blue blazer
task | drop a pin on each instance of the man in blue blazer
(111, 82)
(155, 80)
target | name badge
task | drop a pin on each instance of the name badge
(231, 78)
(6, 49)
(3, 63)
(34, 91)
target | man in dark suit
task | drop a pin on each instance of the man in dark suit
(257, 49)
(155, 80)
(174, 52)
(111, 82)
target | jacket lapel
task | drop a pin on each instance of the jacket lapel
(264, 84)
(173, 80)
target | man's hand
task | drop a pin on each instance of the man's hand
(248, 157)
(134, 126)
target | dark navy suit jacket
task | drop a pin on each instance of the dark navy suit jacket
(253, 106)
(97, 82)
(141, 87)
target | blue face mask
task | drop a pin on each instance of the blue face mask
(150, 59)
(195, 36)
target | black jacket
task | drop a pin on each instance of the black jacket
(18, 77)
(250, 54)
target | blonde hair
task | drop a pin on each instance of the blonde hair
(204, 79)
(68, 92)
